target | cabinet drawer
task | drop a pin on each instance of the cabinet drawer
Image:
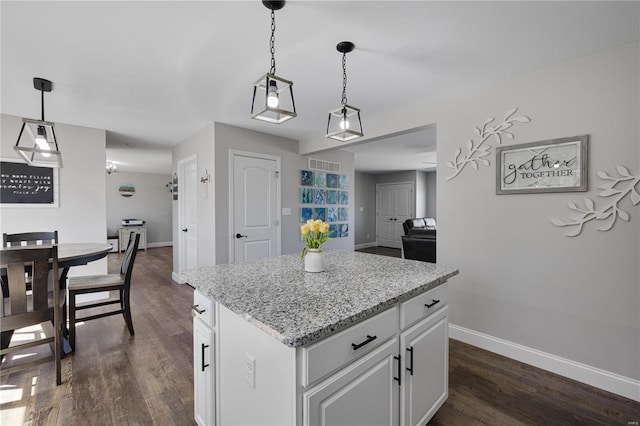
(203, 308)
(423, 305)
(331, 353)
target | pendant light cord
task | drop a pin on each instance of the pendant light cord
(42, 103)
(344, 78)
(273, 43)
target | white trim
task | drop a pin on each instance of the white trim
(602, 379)
(365, 245)
(174, 276)
(232, 154)
(160, 244)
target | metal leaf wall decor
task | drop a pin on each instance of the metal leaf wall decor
(618, 188)
(477, 153)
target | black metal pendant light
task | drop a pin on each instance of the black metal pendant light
(42, 148)
(273, 95)
(344, 122)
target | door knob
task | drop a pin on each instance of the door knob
(184, 230)
(241, 236)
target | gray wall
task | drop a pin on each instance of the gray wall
(521, 279)
(365, 199)
(421, 194)
(431, 195)
(151, 202)
(81, 215)
(236, 138)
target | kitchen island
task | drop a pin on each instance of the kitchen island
(364, 342)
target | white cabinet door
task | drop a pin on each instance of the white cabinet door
(203, 373)
(426, 369)
(364, 393)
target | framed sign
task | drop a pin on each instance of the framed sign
(556, 165)
(22, 185)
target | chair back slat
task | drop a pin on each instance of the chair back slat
(130, 254)
(17, 288)
(29, 239)
(39, 284)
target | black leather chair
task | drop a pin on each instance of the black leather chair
(419, 241)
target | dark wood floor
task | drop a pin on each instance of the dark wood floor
(115, 379)
(384, 251)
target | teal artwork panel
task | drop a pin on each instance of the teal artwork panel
(332, 196)
(321, 179)
(344, 182)
(306, 195)
(306, 178)
(332, 214)
(344, 197)
(343, 214)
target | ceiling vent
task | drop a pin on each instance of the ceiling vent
(327, 166)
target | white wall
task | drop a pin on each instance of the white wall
(151, 203)
(81, 215)
(572, 302)
(431, 195)
(421, 194)
(365, 198)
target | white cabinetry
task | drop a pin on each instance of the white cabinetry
(204, 360)
(124, 232)
(391, 368)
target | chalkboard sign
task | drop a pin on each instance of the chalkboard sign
(24, 184)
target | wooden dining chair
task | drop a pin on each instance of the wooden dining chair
(99, 283)
(23, 308)
(29, 239)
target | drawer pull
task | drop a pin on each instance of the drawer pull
(200, 311)
(435, 302)
(399, 378)
(366, 342)
(203, 364)
(410, 369)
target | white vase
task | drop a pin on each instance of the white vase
(314, 261)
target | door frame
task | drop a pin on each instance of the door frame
(181, 200)
(413, 202)
(233, 153)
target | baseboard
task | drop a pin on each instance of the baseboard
(602, 379)
(161, 244)
(174, 276)
(365, 245)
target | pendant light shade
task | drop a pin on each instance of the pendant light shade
(39, 146)
(344, 122)
(272, 95)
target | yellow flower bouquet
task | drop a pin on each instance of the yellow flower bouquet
(315, 234)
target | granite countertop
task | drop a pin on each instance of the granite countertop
(298, 308)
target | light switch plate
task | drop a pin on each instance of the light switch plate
(286, 211)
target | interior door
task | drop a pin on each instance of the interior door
(394, 206)
(187, 213)
(255, 227)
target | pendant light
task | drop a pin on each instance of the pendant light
(272, 95)
(344, 122)
(42, 148)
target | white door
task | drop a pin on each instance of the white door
(364, 393)
(255, 222)
(394, 206)
(187, 214)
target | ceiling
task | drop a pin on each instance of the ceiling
(154, 72)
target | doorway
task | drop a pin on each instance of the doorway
(254, 204)
(187, 214)
(394, 205)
